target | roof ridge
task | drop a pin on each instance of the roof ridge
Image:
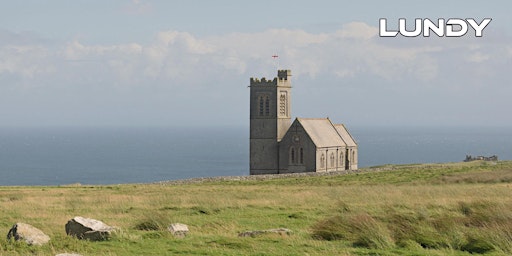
(337, 131)
(313, 118)
(322, 132)
(348, 133)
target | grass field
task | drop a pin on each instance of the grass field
(422, 209)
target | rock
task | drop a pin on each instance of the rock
(281, 231)
(28, 234)
(89, 229)
(178, 229)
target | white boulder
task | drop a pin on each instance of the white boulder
(28, 234)
(89, 229)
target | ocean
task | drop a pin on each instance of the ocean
(59, 156)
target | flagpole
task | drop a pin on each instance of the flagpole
(276, 59)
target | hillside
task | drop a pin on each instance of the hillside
(421, 209)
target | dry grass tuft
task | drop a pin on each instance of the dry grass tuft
(475, 227)
(155, 221)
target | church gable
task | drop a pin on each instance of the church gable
(297, 150)
(315, 144)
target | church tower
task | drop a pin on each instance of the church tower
(270, 113)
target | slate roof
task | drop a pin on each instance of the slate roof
(345, 135)
(325, 134)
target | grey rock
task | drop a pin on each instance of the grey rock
(178, 229)
(281, 231)
(88, 229)
(28, 234)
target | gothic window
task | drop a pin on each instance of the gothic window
(267, 106)
(322, 161)
(261, 105)
(292, 155)
(301, 157)
(341, 159)
(282, 104)
(332, 159)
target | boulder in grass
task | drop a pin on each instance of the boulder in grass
(280, 231)
(178, 229)
(28, 234)
(88, 229)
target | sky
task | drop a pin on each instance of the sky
(188, 63)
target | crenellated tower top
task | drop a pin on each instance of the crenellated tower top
(283, 79)
(284, 74)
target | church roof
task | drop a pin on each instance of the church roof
(322, 132)
(345, 135)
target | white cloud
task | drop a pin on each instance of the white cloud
(25, 60)
(350, 52)
(358, 30)
(182, 41)
(77, 78)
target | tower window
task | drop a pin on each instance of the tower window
(282, 104)
(261, 105)
(267, 106)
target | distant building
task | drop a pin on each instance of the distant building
(307, 145)
(470, 158)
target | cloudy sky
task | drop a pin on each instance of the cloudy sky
(180, 63)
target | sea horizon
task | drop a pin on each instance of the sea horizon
(58, 155)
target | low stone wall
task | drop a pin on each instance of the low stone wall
(262, 177)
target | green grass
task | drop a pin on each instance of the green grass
(421, 209)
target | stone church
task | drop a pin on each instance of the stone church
(278, 145)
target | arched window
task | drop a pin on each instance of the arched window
(332, 160)
(261, 105)
(292, 155)
(301, 158)
(267, 106)
(322, 161)
(341, 159)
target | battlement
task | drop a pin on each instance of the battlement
(263, 82)
(284, 74)
(282, 77)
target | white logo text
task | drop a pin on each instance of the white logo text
(450, 28)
